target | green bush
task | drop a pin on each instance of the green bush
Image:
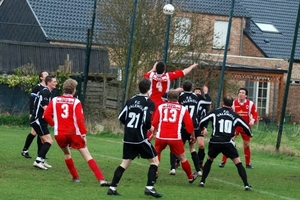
(14, 120)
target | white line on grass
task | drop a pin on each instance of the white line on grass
(216, 179)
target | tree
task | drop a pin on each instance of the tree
(188, 38)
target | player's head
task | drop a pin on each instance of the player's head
(227, 100)
(242, 94)
(197, 90)
(50, 81)
(173, 95)
(42, 75)
(187, 85)
(69, 86)
(160, 68)
(144, 85)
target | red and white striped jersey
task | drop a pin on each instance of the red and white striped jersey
(68, 118)
(168, 119)
(160, 84)
(246, 110)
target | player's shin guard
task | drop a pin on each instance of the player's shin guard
(224, 159)
(242, 173)
(44, 149)
(28, 141)
(96, 170)
(195, 159)
(187, 169)
(151, 175)
(117, 176)
(206, 170)
(247, 153)
(201, 155)
(71, 167)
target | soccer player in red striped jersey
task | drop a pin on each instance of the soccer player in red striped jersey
(70, 129)
(161, 80)
(168, 120)
(247, 110)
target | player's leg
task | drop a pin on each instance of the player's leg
(68, 158)
(43, 132)
(93, 166)
(27, 143)
(247, 151)
(212, 153)
(195, 158)
(177, 147)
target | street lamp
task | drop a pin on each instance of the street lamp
(169, 11)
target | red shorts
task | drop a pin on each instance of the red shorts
(75, 141)
(239, 130)
(176, 146)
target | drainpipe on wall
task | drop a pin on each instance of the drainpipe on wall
(242, 37)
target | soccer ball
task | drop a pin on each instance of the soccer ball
(168, 9)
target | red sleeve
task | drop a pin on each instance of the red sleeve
(254, 113)
(147, 75)
(48, 114)
(80, 119)
(176, 74)
(155, 119)
(188, 122)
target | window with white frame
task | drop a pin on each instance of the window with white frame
(182, 31)
(220, 33)
(258, 92)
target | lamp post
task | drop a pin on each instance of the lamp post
(169, 14)
(129, 53)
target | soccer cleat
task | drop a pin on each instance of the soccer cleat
(249, 166)
(75, 180)
(195, 175)
(172, 172)
(201, 184)
(25, 154)
(248, 188)
(199, 173)
(46, 165)
(222, 164)
(39, 165)
(113, 192)
(152, 192)
(104, 183)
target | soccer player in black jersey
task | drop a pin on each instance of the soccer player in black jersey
(41, 85)
(136, 116)
(224, 121)
(38, 123)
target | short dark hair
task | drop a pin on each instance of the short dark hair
(49, 79)
(41, 75)
(160, 67)
(187, 85)
(173, 95)
(246, 91)
(144, 85)
(228, 100)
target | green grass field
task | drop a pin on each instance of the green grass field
(275, 176)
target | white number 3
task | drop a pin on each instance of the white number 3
(65, 109)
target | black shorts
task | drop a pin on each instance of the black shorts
(40, 127)
(185, 136)
(144, 149)
(228, 149)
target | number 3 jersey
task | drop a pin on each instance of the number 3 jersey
(160, 84)
(68, 118)
(224, 121)
(136, 116)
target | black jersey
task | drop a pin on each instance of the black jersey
(224, 121)
(191, 102)
(136, 116)
(33, 96)
(204, 103)
(43, 98)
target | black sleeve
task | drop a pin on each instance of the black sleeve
(32, 97)
(149, 113)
